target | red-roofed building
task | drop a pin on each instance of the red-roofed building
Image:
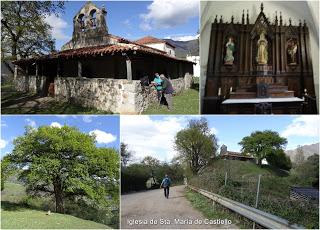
(97, 69)
(157, 43)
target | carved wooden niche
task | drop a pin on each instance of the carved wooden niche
(292, 49)
(230, 51)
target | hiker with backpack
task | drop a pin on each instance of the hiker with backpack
(165, 184)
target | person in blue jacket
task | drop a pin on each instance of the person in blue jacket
(165, 184)
(157, 82)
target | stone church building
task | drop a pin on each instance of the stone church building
(100, 70)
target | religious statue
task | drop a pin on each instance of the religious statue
(262, 55)
(230, 47)
(292, 52)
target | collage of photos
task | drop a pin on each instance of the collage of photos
(160, 114)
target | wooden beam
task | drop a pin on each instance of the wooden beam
(129, 69)
(79, 69)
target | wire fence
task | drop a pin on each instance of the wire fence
(265, 192)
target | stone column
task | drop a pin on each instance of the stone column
(129, 69)
(15, 75)
(79, 69)
(37, 69)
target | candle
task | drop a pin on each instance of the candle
(230, 89)
(219, 92)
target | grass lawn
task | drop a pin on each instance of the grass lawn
(15, 214)
(184, 103)
(15, 217)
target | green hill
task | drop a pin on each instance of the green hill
(15, 213)
(241, 185)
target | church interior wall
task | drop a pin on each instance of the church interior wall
(304, 10)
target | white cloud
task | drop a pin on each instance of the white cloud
(3, 124)
(214, 130)
(168, 13)
(88, 118)
(3, 143)
(56, 124)
(58, 25)
(103, 137)
(307, 126)
(31, 122)
(183, 37)
(147, 137)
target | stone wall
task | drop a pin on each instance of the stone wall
(112, 95)
(32, 84)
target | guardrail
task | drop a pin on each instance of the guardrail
(262, 218)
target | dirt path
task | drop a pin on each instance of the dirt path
(138, 210)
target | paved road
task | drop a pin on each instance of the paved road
(138, 210)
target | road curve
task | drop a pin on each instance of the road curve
(150, 209)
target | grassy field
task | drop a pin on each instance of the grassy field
(16, 214)
(184, 103)
(242, 179)
(204, 205)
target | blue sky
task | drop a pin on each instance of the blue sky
(106, 128)
(156, 133)
(135, 19)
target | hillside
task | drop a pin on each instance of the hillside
(183, 48)
(16, 214)
(238, 181)
(308, 150)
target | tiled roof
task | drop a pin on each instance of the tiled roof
(236, 154)
(123, 46)
(151, 40)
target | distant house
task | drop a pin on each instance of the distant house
(229, 155)
(158, 44)
(304, 194)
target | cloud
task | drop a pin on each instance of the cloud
(3, 143)
(88, 118)
(103, 137)
(183, 37)
(3, 124)
(31, 123)
(56, 124)
(151, 137)
(214, 130)
(58, 25)
(168, 13)
(307, 126)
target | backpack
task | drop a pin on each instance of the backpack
(166, 182)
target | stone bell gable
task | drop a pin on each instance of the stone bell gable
(89, 28)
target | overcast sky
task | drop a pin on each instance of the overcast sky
(106, 128)
(178, 19)
(154, 135)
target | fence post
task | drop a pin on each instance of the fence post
(225, 179)
(257, 197)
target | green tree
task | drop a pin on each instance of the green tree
(196, 144)
(65, 163)
(126, 154)
(307, 173)
(150, 161)
(24, 31)
(261, 143)
(279, 159)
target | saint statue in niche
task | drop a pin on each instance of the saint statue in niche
(262, 55)
(230, 47)
(292, 48)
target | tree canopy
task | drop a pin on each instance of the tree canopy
(196, 144)
(65, 163)
(24, 31)
(126, 154)
(261, 144)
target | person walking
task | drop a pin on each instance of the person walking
(157, 82)
(165, 184)
(167, 90)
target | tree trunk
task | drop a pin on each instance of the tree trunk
(58, 197)
(14, 50)
(260, 162)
